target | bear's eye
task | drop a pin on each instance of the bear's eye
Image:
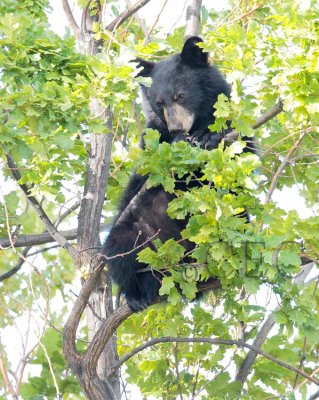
(179, 96)
(159, 104)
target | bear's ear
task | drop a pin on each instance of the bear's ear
(146, 65)
(192, 54)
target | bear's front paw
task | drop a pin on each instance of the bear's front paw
(206, 140)
(212, 140)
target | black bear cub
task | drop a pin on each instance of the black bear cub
(179, 102)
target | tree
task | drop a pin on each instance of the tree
(69, 134)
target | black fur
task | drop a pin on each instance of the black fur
(197, 85)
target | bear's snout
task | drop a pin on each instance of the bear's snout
(178, 119)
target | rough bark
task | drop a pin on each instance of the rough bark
(96, 292)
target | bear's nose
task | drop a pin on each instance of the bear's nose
(174, 124)
(176, 131)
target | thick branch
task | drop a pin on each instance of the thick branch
(41, 238)
(249, 360)
(275, 110)
(95, 186)
(39, 210)
(33, 240)
(109, 326)
(126, 15)
(192, 26)
(238, 343)
(69, 333)
(71, 20)
(104, 334)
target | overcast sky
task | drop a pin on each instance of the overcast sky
(173, 13)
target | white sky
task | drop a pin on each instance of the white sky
(172, 15)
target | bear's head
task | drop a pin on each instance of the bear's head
(184, 89)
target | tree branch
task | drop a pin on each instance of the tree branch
(238, 343)
(85, 365)
(155, 22)
(66, 213)
(6, 379)
(283, 165)
(314, 396)
(39, 210)
(71, 20)
(7, 243)
(41, 238)
(249, 360)
(256, 7)
(17, 267)
(126, 15)
(139, 21)
(33, 240)
(95, 185)
(71, 326)
(273, 112)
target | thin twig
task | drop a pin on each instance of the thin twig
(67, 213)
(156, 21)
(256, 7)
(17, 267)
(27, 356)
(139, 21)
(284, 164)
(51, 370)
(6, 378)
(13, 242)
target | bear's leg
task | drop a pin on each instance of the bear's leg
(139, 288)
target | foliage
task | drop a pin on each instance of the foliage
(268, 52)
